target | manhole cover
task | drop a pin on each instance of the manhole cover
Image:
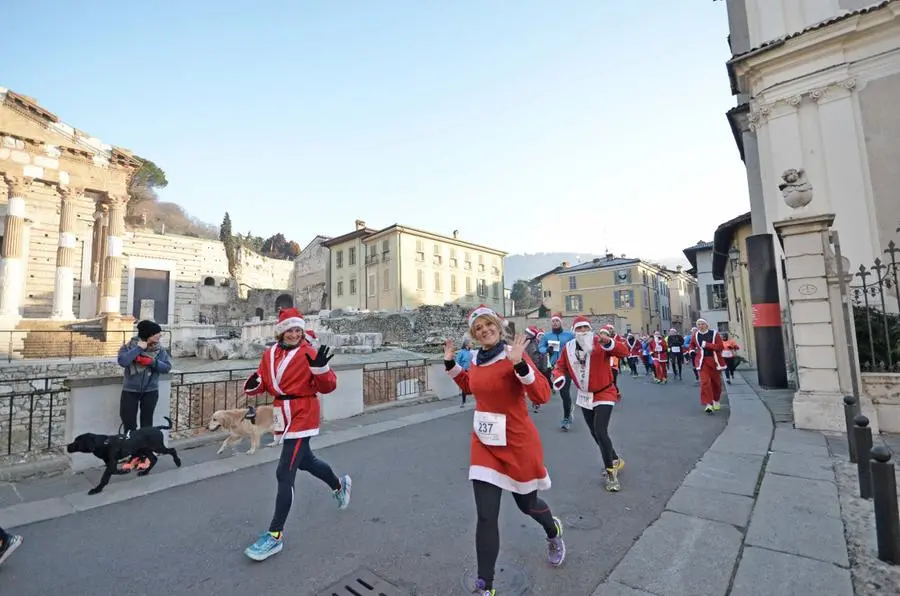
(582, 521)
(508, 579)
(363, 582)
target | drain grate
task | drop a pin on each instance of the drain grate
(363, 582)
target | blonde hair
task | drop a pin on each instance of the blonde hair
(496, 320)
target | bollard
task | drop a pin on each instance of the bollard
(863, 439)
(887, 518)
(849, 414)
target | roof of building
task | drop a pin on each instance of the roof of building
(322, 239)
(820, 25)
(360, 233)
(79, 141)
(690, 253)
(598, 263)
(722, 243)
(402, 228)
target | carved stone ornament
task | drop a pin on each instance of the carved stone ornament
(796, 189)
(70, 192)
(18, 185)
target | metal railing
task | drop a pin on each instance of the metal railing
(196, 395)
(384, 382)
(32, 415)
(79, 342)
(876, 312)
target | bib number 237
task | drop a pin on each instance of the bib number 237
(490, 428)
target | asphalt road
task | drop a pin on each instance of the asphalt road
(411, 519)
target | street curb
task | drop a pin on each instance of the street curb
(739, 421)
(22, 514)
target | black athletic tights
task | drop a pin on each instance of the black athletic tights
(296, 454)
(130, 401)
(598, 421)
(487, 531)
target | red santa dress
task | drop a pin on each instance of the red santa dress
(659, 352)
(506, 448)
(708, 361)
(592, 376)
(286, 374)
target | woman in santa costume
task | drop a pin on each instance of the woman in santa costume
(506, 451)
(585, 360)
(294, 373)
(659, 351)
(708, 346)
(634, 353)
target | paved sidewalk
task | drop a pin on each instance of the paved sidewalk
(759, 515)
(35, 500)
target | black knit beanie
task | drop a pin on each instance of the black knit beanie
(147, 329)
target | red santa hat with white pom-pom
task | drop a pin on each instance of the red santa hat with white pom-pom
(581, 321)
(289, 318)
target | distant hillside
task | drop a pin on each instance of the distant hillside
(528, 266)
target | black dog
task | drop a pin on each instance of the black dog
(144, 442)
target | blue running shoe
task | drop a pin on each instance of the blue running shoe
(342, 495)
(265, 547)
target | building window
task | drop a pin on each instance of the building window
(468, 285)
(386, 280)
(420, 280)
(573, 303)
(623, 276)
(351, 256)
(723, 327)
(716, 297)
(371, 285)
(437, 281)
(385, 248)
(452, 257)
(453, 284)
(573, 283)
(353, 287)
(467, 261)
(340, 288)
(481, 262)
(482, 288)
(420, 251)
(339, 259)
(209, 281)
(624, 298)
(437, 257)
(496, 290)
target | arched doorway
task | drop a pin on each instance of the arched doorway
(284, 301)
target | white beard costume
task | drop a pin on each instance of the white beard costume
(585, 341)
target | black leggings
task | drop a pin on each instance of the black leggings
(129, 403)
(487, 530)
(729, 368)
(632, 364)
(296, 454)
(677, 363)
(565, 394)
(598, 421)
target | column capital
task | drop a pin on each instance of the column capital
(17, 186)
(116, 201)
(70, 192)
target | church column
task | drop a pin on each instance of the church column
(64, 289)
(112, 266)
(11, 265)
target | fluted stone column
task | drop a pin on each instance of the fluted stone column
(112, 266)
(13, 249)
(64, 289)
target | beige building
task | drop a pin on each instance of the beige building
(729, 264)
(399, 267)
(631, 288)
(684, 299)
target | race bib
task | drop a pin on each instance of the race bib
(676, 349)
(554, 345)
(490, 428)
(278, 425)
(585, 399)
(727, 353)
(659, 349)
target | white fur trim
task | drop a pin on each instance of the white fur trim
(455, 371)
(612, 345)
(300, 434)
(479, 312)
(290, 323)
(527, 379)
(319, 370)
(555, 319)
(559, 382)
(492, 476)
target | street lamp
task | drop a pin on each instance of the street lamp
(734, 255)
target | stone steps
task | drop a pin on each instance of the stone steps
(64, 345)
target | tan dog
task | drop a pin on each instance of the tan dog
(236, 422)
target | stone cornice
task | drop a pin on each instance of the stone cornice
(761, 111)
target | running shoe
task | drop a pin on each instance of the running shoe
(342, 495)
(716, 406)
(619, 464)
(708, 409)
(612, 480)
(482, 590)
(265, 547)
(565, 424)
(556, 548)
(9, 546)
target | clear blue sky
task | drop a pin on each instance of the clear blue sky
(529, 126)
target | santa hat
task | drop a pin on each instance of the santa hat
(608, 330)
(481, 311)
(289, 318)
(580, 321)
(556, 317)
(311, 335)
(531, 331)
(540, 333)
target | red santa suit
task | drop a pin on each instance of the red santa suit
(708, 361)
(659, 352)
(591, 372)
(506, 448)
(287, 375)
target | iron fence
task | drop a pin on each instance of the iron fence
(196, 395)
(32, 415)
(77, 342)
(384, 382)
(876, 312)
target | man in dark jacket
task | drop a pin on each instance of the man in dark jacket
(676, 356)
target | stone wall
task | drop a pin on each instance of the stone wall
(310, 277)
(424, 326)
(38, 396)
(884, 390)
(253, 271)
